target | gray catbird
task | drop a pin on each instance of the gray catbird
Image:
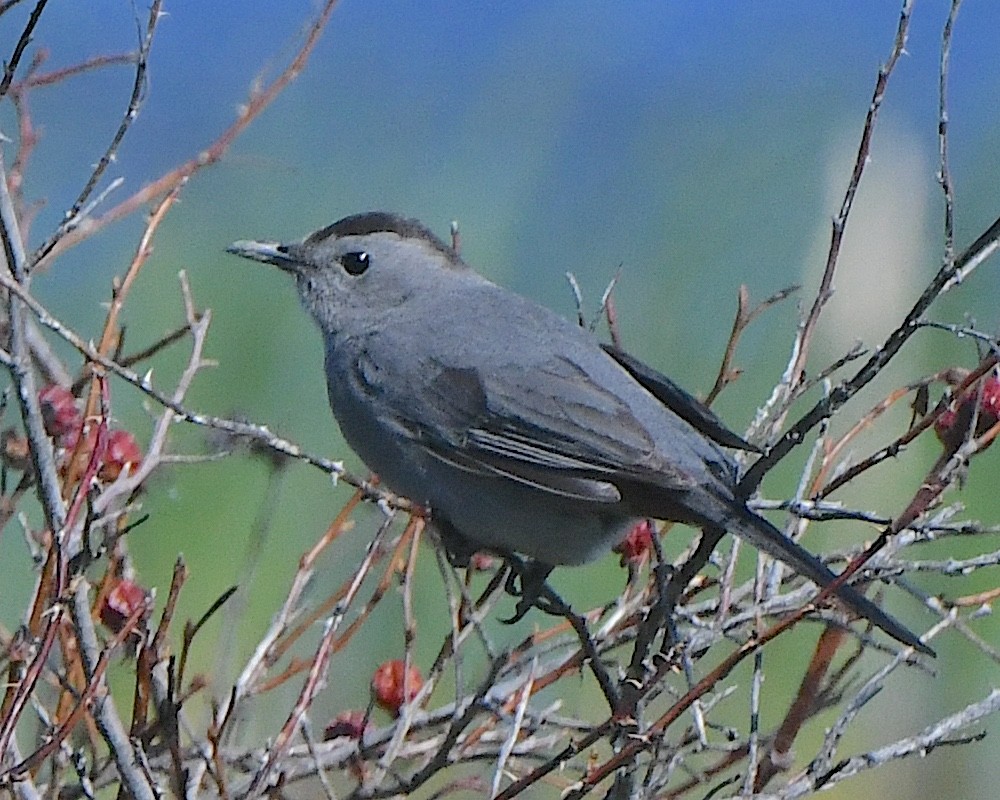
(514, 426)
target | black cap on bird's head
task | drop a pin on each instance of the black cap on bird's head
(292, 257)
(362, 266)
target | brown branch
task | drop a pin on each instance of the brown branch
(72, 218)
(56, 76)
(258, 101)
(839, 223)
(744, 317)
(803, 707)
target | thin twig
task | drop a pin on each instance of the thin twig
(56, 76)
(74, 216)
(258, 101)
(944, 171)
(11, 65)
(839, 223)
(743, 319)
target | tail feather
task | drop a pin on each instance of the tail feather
(764, 536)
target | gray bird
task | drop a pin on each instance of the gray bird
(518, 430)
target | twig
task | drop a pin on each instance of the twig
(743, 319)
(37, 81)
(258, 101)
(944, 173)
(972, 257)
(928, 739)
(515, 730)
(22, 43)
(839, 223)
(160, 344)
(75, 215)
(7, 5)
(965, 332)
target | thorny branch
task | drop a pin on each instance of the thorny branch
(73, 216)
(260, 99)
(839, 223)
(11, 65)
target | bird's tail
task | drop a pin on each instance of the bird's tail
(764, 536)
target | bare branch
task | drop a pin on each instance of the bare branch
(74, 215)
(825, 291)
(22, 43)
(257, 102)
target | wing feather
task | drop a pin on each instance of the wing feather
(550, 426)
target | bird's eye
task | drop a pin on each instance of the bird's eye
(354, 263)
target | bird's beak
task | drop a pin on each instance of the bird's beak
(266, 252)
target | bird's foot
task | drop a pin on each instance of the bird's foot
(531, 592)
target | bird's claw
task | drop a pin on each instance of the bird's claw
(529, 593)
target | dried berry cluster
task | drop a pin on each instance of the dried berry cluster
(78, 441)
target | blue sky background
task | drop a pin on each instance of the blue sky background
(696, 145)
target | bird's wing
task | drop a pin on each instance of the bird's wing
(549, 425)
(680, 401)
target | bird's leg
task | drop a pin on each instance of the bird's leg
(459, 551)
(530, 592)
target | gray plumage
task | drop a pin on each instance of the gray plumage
(510, 423)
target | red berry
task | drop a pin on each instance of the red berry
(481, 562)
(59, 411)
(388, 688)
(945, 422)
(121, 603)
(953, 426)
(635, 547)
(122, 451)
(990, 404)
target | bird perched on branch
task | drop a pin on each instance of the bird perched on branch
(518, 430)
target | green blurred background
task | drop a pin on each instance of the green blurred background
(696, 146)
